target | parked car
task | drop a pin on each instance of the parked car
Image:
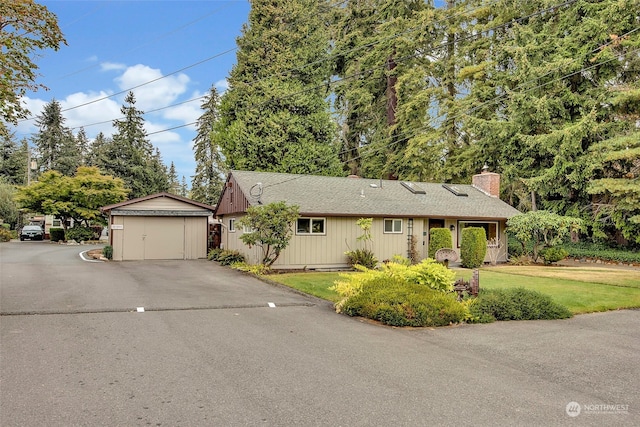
(32, 232)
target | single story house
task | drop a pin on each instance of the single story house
(403, 213)
(159, 226)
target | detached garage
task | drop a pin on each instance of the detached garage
(159, 226)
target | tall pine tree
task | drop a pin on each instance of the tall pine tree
(209, 178)
(275, 115)
(131, 156)
(56, 145)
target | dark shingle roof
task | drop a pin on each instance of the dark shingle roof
(338, 196)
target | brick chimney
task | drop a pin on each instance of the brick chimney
(487, 182)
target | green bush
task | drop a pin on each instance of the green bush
(5, 235)
(553, 254)
(56, 234)
(473, 246)
(363, 257)
(226, 257)
(439, 238)
(515, 304)
(79, 234)
(107, 251)
(601, 251)
(213, 254)
(393, 301)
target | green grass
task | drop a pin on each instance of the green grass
(581, 290)
(316, 284)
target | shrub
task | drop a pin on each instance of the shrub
(553, 254)
(228, 257)
(107, 251)
(427, 273)
(257, 269)
(515, 304)
(393, 301)
(473, 246)
(439, 238)
(79, 234)
(5, 235)
(363, 257)
(397, 301)
(56, 234)
(601, 251)
(214, 253)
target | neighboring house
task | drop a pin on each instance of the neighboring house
(403, 213)
(159, 226)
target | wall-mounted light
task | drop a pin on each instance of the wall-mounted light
(452, 227)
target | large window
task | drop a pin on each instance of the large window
(393, 225)
(491, 228)
(310, 226)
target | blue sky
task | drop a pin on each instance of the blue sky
(182, 47)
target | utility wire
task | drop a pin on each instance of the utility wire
(286, 72)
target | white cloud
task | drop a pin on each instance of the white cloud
(160, 92)
(185, 113)
(109, 66)
(222, 85)
(95, 116)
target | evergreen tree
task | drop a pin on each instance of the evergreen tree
(174, 184)
(56, 145)
(369, 47)
(557, 74)
(206, 184)
(96, 151)
(13, 160)
(82, 142)
(129, 155)
(275, 115)
(184, 188)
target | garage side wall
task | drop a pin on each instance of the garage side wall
(195, 235)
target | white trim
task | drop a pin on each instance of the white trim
(311, 232)
(394, 221)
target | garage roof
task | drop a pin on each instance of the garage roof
(145, 206)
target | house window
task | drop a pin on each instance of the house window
(232, 225)
(310, 226)
(393, 225)
(56, 223)
(491, 228)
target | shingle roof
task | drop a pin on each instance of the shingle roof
(338, 196)
(155, 196)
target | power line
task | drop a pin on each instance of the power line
(330, 57)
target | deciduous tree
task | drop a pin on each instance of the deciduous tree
(271, 228)
(25, 28)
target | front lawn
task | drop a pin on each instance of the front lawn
(581, 290)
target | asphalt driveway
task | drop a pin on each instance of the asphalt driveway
(210, 349)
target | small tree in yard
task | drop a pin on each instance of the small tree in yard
(543, 229)
(271, 228)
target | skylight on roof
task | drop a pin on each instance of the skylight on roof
(412, 187)
(455, 190)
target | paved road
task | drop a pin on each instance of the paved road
(209, 351)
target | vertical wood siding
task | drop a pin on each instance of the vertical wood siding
(233, 200)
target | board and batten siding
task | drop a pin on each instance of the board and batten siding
(233, 200)
(327, 250)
